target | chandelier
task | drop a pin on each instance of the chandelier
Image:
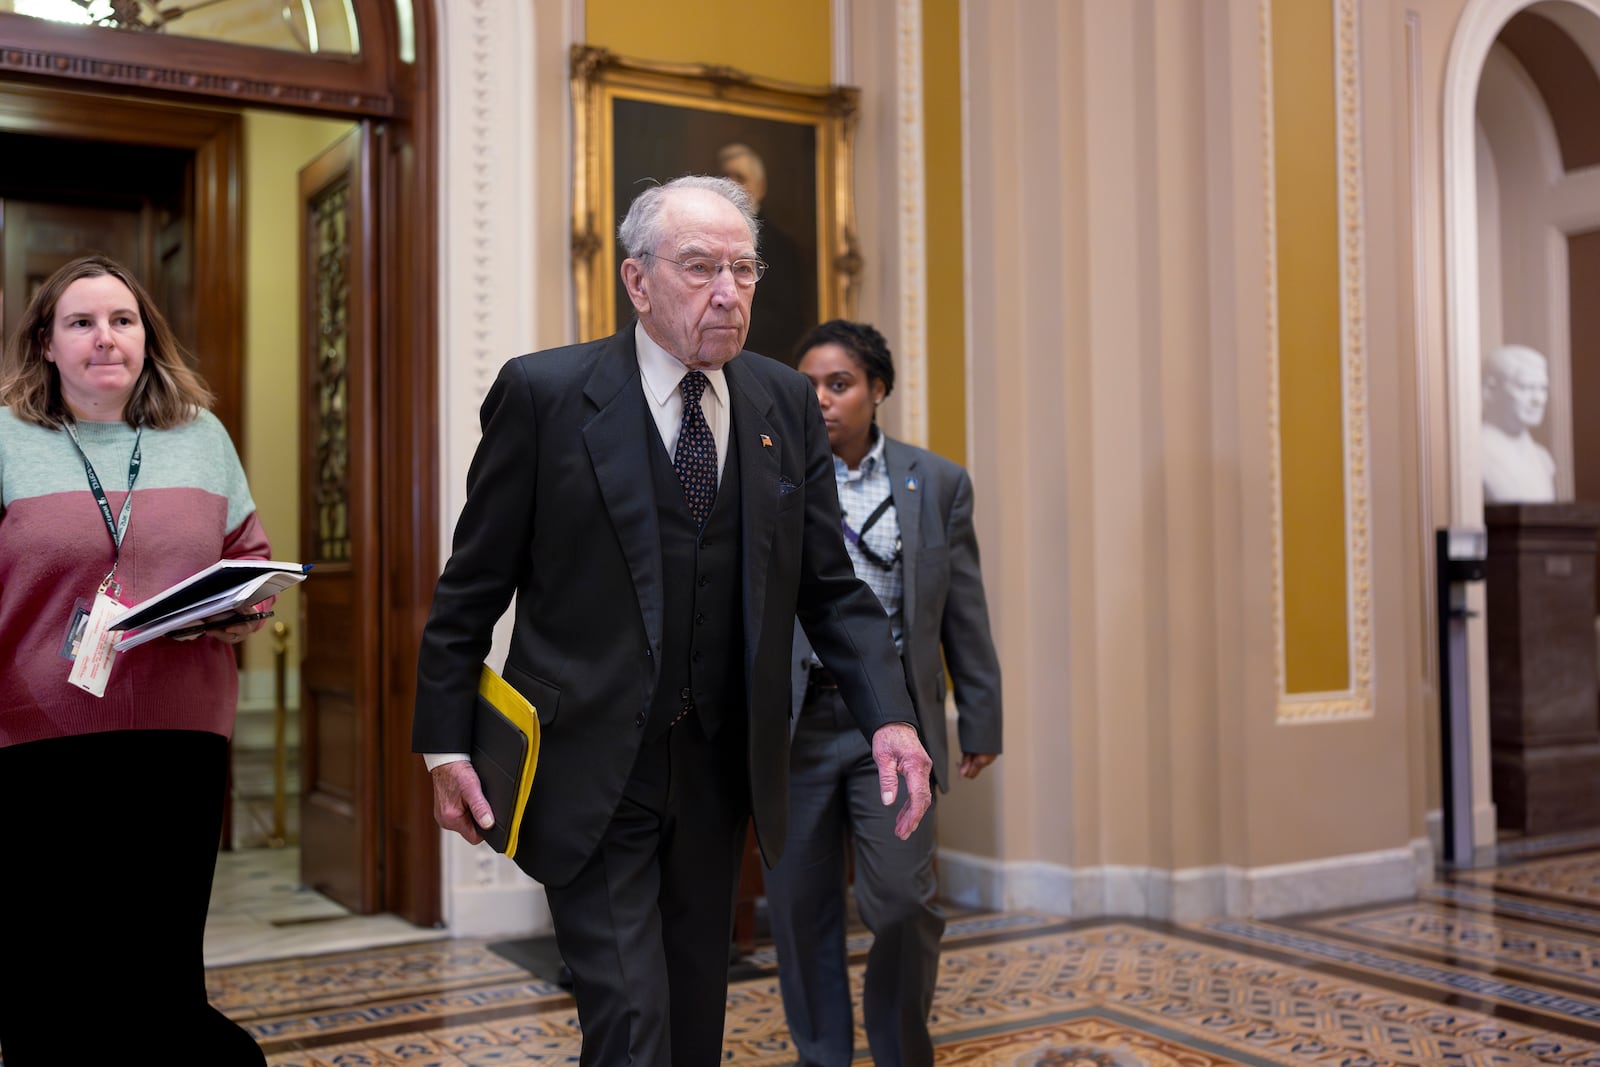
(313, 25)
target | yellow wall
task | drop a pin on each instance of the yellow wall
(941, 117)
(791, 40)
(1310, 391)
(784, 39)
(276, 146)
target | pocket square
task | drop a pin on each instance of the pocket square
(785, 486)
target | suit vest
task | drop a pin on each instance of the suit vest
(702, 640)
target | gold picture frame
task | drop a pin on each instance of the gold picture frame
(637, 121)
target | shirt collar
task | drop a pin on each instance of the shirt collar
(662, 372)
(871, 462)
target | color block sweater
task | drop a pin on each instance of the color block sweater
(191, 507)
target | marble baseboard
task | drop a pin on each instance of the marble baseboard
(1324, 884)
(487, 895)
(1186, 895)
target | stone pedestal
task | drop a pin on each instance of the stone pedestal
(1544, 702)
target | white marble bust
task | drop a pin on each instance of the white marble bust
(1516, 390)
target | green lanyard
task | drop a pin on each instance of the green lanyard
(118, 528)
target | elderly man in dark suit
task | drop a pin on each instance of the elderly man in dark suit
(907, 516)
(662, 511)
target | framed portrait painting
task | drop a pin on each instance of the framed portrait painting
(789, 145)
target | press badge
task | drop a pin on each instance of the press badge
(92, 668)
(73, 639)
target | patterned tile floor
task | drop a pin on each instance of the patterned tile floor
(1494, 967)
(259, 911)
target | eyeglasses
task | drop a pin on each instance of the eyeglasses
(701, 271)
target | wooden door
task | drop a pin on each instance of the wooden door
(97, 86)
(340, 691)
(39, 237)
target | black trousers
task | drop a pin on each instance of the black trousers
(109, 843)
(834, 791)
(645, 927)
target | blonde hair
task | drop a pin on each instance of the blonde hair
(168, 393)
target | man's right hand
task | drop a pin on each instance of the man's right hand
(458, 802)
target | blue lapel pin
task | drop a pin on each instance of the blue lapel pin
(911, 484)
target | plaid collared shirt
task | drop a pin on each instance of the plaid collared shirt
(860, 493)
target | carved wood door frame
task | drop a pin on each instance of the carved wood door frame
(339, 759)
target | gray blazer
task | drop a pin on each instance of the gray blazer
(944, 607)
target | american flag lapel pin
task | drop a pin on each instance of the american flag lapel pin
(766, 442)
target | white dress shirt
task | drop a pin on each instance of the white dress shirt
(660, 371)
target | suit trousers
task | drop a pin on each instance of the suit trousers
(646, 924)
(110, 843)
(833, 790)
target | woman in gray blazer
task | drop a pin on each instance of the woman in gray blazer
(908, 529)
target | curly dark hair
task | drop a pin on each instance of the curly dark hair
(864, 343)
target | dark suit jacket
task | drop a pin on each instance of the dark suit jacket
(560, 510)
(944, 606)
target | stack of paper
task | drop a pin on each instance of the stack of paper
(217, 596)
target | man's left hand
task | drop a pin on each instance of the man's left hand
(974, 762)
(898, 752)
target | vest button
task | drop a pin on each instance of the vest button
(705, 580)
(684, 693)
(638, 720)
(700, 619)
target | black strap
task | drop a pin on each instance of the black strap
(877, 514)
(118, 528)
(857, 537)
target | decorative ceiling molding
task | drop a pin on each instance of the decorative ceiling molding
(64, 64)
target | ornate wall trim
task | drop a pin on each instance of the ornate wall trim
(147, 76)
(911, 347)
(487, 311)
(969, 340)
(1420, 288)
(105, 59)
(1356, 701)
(484, 202)
(843, 66)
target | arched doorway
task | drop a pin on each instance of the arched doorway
(378, 847)
(1521, 232)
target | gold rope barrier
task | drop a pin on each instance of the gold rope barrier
(280, 727)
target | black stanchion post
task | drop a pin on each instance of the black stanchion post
(1459, 556)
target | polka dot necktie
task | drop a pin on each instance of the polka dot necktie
(696, 457)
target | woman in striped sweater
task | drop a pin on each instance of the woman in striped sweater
(115, 480)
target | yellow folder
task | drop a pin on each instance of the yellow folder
(505, 753)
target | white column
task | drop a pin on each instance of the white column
(501, 64)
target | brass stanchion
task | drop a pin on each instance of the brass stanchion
(280, 728)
